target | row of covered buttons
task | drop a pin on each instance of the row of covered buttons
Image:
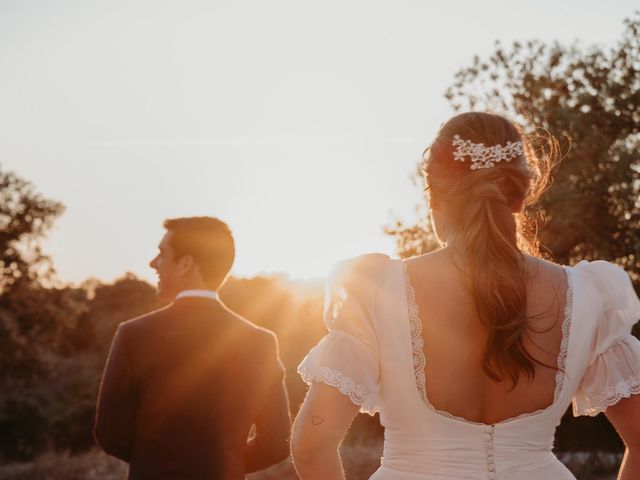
(488, 439)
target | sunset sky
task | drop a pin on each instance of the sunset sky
(299, 123)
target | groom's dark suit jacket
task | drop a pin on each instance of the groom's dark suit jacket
(181, 390)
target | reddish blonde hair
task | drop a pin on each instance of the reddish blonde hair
(480, 205)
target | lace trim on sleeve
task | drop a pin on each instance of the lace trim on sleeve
(623, 389)
(356, 393)
(612, 395)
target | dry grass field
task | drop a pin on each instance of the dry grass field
(360, 462)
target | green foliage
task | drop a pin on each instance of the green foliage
(52, 363)
(34, 322)
(25, 216)
(30, 314)
(589, 99)
(22, 419)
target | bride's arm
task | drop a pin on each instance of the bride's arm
(321, 424)
(625, 417)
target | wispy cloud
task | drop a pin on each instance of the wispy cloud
(238, 141)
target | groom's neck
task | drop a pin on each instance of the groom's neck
(193, 284)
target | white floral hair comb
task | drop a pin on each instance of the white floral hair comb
(482, 156)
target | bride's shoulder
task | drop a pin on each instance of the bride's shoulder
(601, 274)
(364, 261)
(607, 279)
(426, 259)
(361, 268)
(541, 267)
(431, 267)
(600, 268)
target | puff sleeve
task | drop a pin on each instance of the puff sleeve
(347, 357)
(613, 372)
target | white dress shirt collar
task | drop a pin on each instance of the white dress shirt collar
(212, 294)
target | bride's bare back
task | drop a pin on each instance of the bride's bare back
(455, 340)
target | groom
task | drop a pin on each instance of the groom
(185, 385)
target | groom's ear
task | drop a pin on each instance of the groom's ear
(185, 263)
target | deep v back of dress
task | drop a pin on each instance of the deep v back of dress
(454, 340)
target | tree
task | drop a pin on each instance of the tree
(25, 217)
(29, 315)
(32, 317)
(589, 99)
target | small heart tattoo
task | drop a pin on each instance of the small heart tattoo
(316, 420)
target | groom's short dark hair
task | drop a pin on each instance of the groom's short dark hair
(210, 243)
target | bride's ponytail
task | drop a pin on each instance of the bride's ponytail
(494, 266)
(481, 207)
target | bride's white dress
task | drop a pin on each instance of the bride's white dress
(373, 353)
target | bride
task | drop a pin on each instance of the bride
(472, 353)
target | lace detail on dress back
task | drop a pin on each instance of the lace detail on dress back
(564, 343)
(417, 342)
(420, 361)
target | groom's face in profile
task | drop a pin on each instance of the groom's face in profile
(168, 269)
